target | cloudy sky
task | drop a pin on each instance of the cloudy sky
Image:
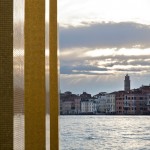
(100, 41)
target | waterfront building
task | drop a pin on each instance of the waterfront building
(145, 89)
(69, 103)
(67, 107)
(100, 95)
(85, 95)
(88, 106)
(100, 100)
(148, 103)
(77, 102)
(120, 102)
(127, 83)
(135, 102)
(132, 102)
(110, 103)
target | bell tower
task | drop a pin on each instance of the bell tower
(127, 83)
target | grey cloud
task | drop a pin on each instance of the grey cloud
(102, 35)
(105, 35)
(130, 70)
(80, 69)
(72, 57)
(83, 66)
(140, 62)
(134, 62)
(119, 59)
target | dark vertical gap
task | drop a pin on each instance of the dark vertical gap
(6, 75)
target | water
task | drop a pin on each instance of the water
(104, 132)
(94, 132)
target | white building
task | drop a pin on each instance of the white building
(110, 103)
(148, 103)
(88, 106)
(101, 102)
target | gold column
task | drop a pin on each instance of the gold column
(6, 74)
(54, 144)
(34, 74)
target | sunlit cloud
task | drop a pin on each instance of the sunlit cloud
(114, 52)
(105, 61)
(75, 12)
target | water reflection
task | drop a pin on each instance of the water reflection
(104, 132)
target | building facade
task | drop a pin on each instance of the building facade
(100, 100)
(129, 102)
(111, 103)
(88, 106)
(69, 103)
(135, 103)
(148, 103)
(120, 102)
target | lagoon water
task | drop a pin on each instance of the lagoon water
(104, 132)
(94, 132)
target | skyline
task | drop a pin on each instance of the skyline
(99, 43)
(123, 88)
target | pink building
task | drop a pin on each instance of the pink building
(120, 102)
(69, 103)
(135, 103)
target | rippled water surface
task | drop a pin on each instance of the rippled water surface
(104, 132)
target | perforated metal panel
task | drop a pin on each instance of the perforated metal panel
(18, 73)
(6, 75)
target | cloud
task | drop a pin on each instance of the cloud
(81, 69)
(104, 65)
(93, 68)
(105, 35)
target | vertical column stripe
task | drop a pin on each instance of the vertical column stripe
(53, 77)
(6, 75)
(34, 74)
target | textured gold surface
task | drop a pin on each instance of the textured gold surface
(53, 77)
(34, 74)
(6, 75)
